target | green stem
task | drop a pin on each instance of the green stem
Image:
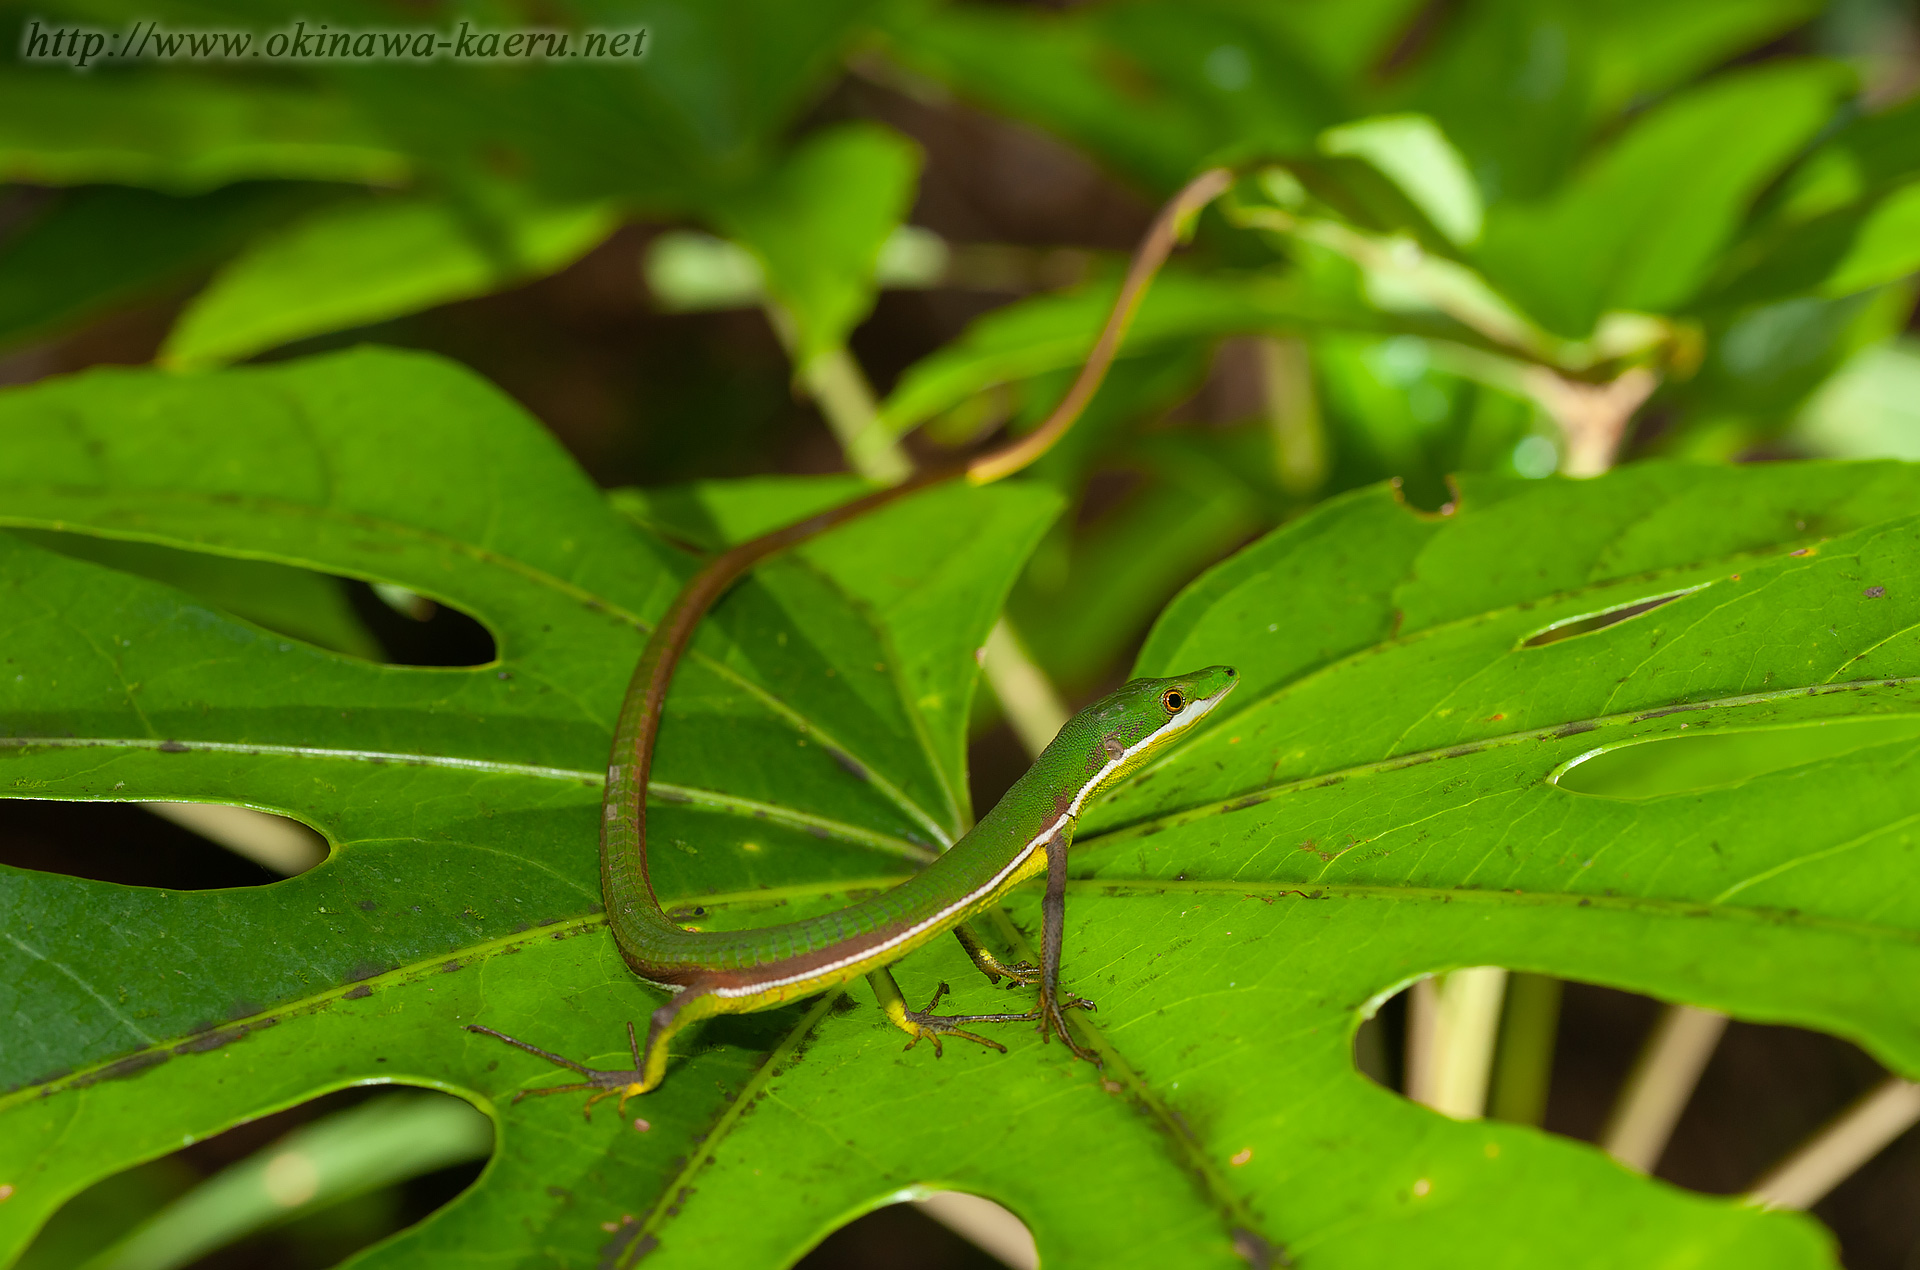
(1293, 413)
(1033, 704)
(380, 1143)
(1852, 1138)
(1451, 1027)
(1523, 1068)
(273, 842)
(1660, 1084)
(835, 382)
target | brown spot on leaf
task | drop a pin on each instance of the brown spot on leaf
(126, 1067)
(211, 1041)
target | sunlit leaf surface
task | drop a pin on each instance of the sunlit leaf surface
(1378, 801)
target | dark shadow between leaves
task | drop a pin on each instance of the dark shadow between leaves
(306, 1187)
(171, 846)
(1566, 1056)
(372, 621)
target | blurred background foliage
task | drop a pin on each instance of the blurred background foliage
(1509, 234)
(1524, 236)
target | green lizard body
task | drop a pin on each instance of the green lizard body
(727, 972)
(1027, 832)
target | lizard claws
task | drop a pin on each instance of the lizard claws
(933, 1026)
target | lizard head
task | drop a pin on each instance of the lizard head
(1129, 725)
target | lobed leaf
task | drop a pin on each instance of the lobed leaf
(1381, 804)
(461, 804)
(1640, 226)
(1380, 801)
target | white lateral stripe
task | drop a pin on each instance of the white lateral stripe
(905, 935)
(1178, 723)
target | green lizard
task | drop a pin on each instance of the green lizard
(1028, 830)
(728, 972)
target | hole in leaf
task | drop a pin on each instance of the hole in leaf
(416, 631)
(305, 1187)
(1562, 1056)
(1710, 760)
(1596, 621)
(373, 621)
(946, 1230)
(172, 846)
(309, 606)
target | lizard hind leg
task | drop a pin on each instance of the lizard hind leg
(1021, 973)
(649, 1064)
(925, 1024)
(603, 1082)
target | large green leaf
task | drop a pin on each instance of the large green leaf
(1382, 801)
(1154, 89)
(697, 117)
(183, 133)
(817, 223)
(687, 127)
(366, 261)
(1379, 803)
(1639, 228)
(698, 114)
(1522, 85)
(1157, 88)
(101, 246)
(801, 741)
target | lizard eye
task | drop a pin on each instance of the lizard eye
(1174, 700)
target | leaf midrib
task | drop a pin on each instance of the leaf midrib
(1308, 675)
(1263, 888)
(1566, 728)
(799, 723)
(1691, 910)
(666, 1206)
(665, 791)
